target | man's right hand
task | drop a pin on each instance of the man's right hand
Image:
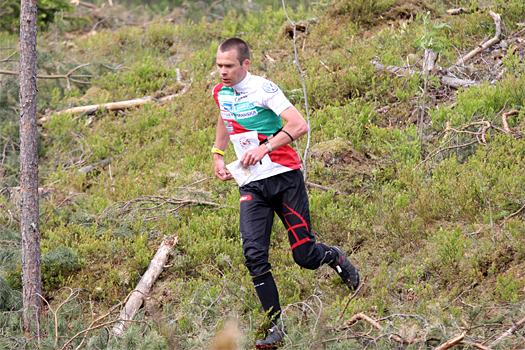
(220, 168)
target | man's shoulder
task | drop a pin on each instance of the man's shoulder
(220, 88)
(264, 85)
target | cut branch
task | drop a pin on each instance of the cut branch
(114, 106)
(44, 76)
(457, 83)
(89, 168)
(443, 79)
(375, 324)
(452, 342)
(475, 345)
(513, 214)
(321, 187)
(511, 330)
(144, 286)
(8, 57)
(458, 11)
(504, 120)
(497, 21)
(352, 297)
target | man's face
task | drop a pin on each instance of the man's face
(230, 70)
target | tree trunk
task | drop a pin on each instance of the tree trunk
(29, 225)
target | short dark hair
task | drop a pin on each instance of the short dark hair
(240, 47)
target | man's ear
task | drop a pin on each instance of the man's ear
(246, 63)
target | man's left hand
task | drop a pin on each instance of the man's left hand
(253, 156)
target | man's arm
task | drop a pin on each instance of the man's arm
(221, 142)
(295, 126)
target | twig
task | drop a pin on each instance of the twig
(322, 188)
(375, 324)
(497, 21)
(196, 182)
(44, 76)
(298, 64)
(513, 214)
(96, 24)
(8, 57)
(510, 331)
(352, 297)
(3, 153)
(211, 6)
(417, 317)
(475, 345)
(504, 120)
(91, 327)
(452, 342)
(9, 242)
(445, 149)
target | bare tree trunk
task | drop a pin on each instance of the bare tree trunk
(29, 225)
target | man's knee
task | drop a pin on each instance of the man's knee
(256, 260)
(306, 261)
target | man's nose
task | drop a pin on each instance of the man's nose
(222, 71)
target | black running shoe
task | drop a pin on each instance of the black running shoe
(274, 339)
(345, 269)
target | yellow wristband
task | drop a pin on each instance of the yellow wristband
(218, 151)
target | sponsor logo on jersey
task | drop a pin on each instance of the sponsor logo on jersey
(242, 97)
(245, 143)
(227, 106)
(245, 198)
(227, 115)
(248, 114)
(229, 126)
(243, 107)
(270, 87)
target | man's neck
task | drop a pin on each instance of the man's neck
(241, 83)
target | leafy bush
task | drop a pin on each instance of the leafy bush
(46, 11)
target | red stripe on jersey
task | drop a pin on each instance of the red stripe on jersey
(286, 156)
(216, 90)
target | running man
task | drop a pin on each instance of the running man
(251, 113)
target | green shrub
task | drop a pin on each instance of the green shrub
(46, 12)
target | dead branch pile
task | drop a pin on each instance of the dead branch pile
(446, 76)
(148, 204)
(478, 129)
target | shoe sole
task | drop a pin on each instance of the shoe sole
(264, 347)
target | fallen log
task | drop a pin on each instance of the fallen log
(443, 79)
(457, 83)
(115, 106)
(497, 21)
(89, 168)
(458, 11)
(137, 296)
